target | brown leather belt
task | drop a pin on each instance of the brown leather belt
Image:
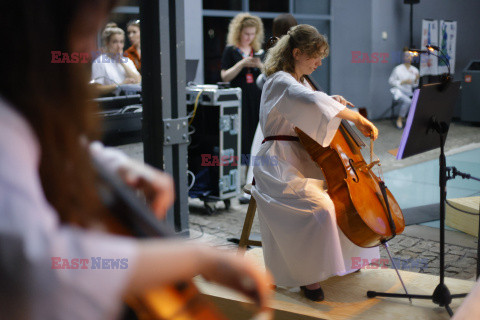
(278, 138)
(281, 138)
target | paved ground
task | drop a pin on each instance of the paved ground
(417, 249)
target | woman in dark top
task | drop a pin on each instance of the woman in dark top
(241, 64)
(134, 52)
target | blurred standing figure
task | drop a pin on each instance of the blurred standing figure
(281, 24)
(241, 64)
(134, 52)
(403, 79)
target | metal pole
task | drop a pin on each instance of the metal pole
(163, 93)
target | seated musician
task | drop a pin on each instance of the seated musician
(112, 68)
(302, 243)
(51, 218)
(403, 80)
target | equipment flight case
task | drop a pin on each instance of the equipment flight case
(214, 152)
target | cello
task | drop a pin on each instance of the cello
(366, 211)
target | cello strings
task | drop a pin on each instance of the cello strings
(374, 157)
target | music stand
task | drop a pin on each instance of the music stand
(426, 129)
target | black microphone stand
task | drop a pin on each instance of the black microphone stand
(441, 295)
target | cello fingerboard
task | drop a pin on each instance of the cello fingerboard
(352, 133)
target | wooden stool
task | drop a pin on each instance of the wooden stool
(247, 225)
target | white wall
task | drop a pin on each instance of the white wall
(357, 26)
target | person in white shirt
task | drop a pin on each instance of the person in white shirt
(302, 243)
(112, 68)
(403, 79)
(52, 221)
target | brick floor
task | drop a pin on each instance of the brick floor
(409, 253)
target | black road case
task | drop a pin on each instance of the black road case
(214, 152)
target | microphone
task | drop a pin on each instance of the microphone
(431, 47)
(416, 52)
(445, 78)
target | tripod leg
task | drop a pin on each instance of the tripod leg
(449, 310)
(385, 245)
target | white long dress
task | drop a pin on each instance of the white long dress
(302, 243)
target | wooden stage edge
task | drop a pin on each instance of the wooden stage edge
(345, 297)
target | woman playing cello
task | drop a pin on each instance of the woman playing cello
(301, 241)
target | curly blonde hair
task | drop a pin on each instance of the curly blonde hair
(245, 20)
(304, 37)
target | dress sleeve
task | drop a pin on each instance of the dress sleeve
(394, 79)
(110, 158)
(417, 81)
(98, 72)
(131, 66)
(313, 112)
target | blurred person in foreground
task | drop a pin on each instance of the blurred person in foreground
(49, 206)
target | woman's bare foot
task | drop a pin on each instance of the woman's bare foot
(399, 123)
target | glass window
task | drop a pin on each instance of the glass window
(269, 6)
(322, 74)
(311, 7)
(267, 27)
(215, 31)
(222, 4)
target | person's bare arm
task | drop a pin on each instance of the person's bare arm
(130, 74)
(166, 262)
(365, 126)
(230, 74)
(103, 89)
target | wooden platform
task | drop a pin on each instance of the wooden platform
(463, 221)
(345, 297)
